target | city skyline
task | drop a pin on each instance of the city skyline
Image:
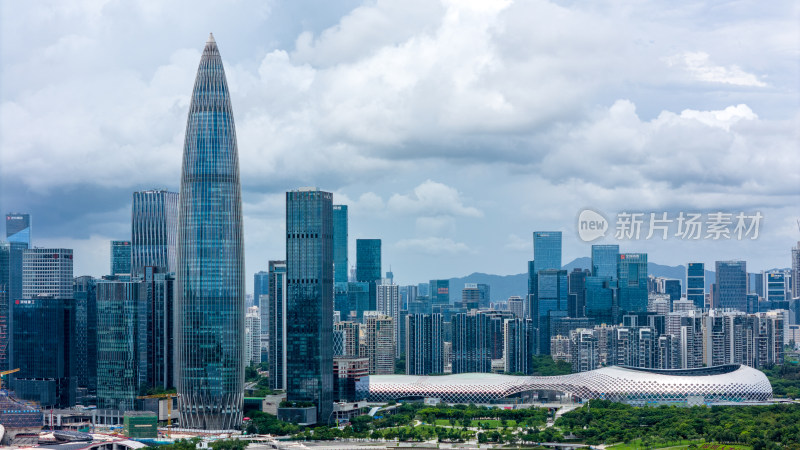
(446, 180)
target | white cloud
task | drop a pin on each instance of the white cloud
(433, 246)
(432, 199)
(699, 65)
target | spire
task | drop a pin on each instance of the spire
(211, 38)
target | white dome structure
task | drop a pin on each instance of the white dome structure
(719, 384)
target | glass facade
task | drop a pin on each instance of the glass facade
(44, 351)
(368, 267)
(696, 284)
(550, 303)
(156, 329)
(471, 348)
(154, 231)
(440, 292)
(260, 286)
(86, 332)
(576, 306)
(120, 258)
(358, 299)
(546, 250)
(632, 282)
(600, 300)
(276, 293)
(424, 342)
(47, 271)
(118, 366)
(340, 264)
(309, 312)
(731, 285)
(18, 228)
(604, 261)
(209, 292)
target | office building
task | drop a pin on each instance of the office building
(120, 258)
(696, 284)
(546, 250)
(550, 303)
(776, 285)
(351, 339)
(632, 282)
(18, 228)
(118, 344)
(576, 303)
(11, 286)
(516, 306)
(157, 328)
(47, 271)
(85, 294)
(260, 287)
(424, 341)
(796, 271)
(604, 261)
(368, 267)
(518, 340)
(470, 296)
(439, 292)
(731, 285)
(351, 376)
(154, 231)
(276, 304)
(601, 300)
(252, 336)
(358, 297)
(209, 284)
(379, 339)
(340, 261)
(44, 350)
(309, 312)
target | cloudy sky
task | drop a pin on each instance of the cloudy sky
(453, 129)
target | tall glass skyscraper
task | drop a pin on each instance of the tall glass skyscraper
(18, 228)
(209, 291)
(340, 264)
(154, 231)
(731, 285)
(120, 258)
(604, 261)
(276, 328)
(368, 266)
(632, 282)
(696, 284)
(546, 250)
(309, 312)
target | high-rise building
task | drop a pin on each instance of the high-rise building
(439, 292)
(309, 311)
(584, 350)
(340, 263)
(696, 284)
(576, 303)
(120, 258)
(44, 350)
(18, 228)
(350, 374)
(368, 267)
(731, 285)
(359, 300)
(550, 303)
(277, 303)
(157, 328)
(470, 296)
(388, 301)
(546, 250)
(47, 271)
(351, 339)
(209, 284)
(471, 343)
(516, 306)
(604, 261)
(600, 300)
(85, 293)
(518, 340)
(154, 231)
(379, 338)
(11, 286)
(119, 373)
(632, 282)
(796, 271)
(260, 287)
(252, 336)
(424, 342)
(5, 338)
(775, 280)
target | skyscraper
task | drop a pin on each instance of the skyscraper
(11, 286)
(209, 292)
(156, 328)
(120, 258)
(309, 313)
(340, 264)
(154, 231)
(731, 285)
(576, 303)
(47, 271)
(252, 332)
(696, 284)
(440, 292)
(424, 341)
(796, 271)
(550, 303)
(85, 293)
(604, 261)
(546, 250)
(632, 282)
(379, 339)
(368, 266)
(389, 304)
(276, 294)
(260, 286)
(18, 228)
(471, 343)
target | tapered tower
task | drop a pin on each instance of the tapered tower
(209, 291)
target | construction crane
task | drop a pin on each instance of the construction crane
(169, 397)
(2, 374)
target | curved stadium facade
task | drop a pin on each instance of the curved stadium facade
(720, 384)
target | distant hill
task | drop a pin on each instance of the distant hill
(504, 286)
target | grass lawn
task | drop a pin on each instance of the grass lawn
(486, 424)
(678, 445)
